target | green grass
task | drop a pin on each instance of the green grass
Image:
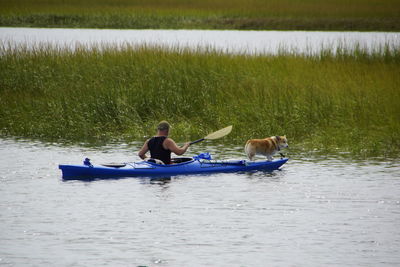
(348, 102)
(364, 15)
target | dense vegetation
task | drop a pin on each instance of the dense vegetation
(364, 15)
(347, 102)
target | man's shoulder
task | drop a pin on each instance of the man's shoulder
(168, 140)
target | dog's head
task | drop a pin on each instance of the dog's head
(281, 141)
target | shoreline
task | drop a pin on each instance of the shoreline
(140, 21)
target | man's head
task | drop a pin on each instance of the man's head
(163, 127)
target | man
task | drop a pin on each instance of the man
(161, 146)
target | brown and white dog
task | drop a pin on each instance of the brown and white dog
(267, 147)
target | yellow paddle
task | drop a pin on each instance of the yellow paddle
(215, 135)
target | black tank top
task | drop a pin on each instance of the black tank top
(157, 151)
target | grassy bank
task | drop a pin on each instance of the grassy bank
(347, 102)
(349, 15)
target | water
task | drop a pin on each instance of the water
(251, 42)
(329, 211)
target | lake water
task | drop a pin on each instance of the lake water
(316, 211)
(251, 42)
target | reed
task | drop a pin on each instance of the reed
(366, 15)
(333, 101)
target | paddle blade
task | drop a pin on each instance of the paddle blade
(219, 133)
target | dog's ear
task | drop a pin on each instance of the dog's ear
(277, 137)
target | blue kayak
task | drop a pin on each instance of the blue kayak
(180, 166)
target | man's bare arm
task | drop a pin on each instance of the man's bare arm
(172, 146)
(143, 150)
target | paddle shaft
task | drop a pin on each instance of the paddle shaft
(197, 141)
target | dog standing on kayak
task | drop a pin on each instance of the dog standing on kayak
(268, 146)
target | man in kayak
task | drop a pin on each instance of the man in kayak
(161, 146)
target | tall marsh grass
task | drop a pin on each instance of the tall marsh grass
(336, 100)
(366, 15)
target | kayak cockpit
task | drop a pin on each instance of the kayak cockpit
(180, 160)
(174, 162)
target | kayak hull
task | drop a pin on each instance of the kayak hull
(148, 169)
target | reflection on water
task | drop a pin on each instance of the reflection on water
(315, 211)
(164, 182)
